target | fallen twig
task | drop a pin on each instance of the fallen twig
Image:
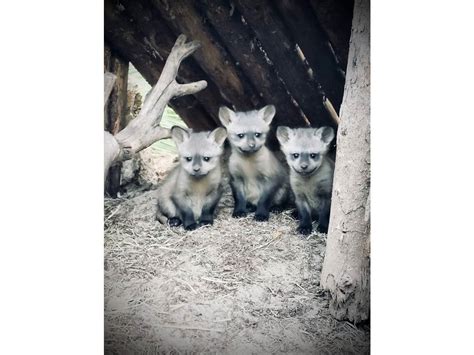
(192, 328)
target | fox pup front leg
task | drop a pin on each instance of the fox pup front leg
(209, 208)
(265, 202)
(166, 212)
(304, 213)
(187, 215)
(240, 202)
(323, 215)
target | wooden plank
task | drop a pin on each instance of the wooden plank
(242, 44)
(115, 110)
(281, 49)
(126, 39)
(159, 36)
(335, 16)
(314, 43)
(182, 17)
(117, 103)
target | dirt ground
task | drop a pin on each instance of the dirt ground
(237, 287)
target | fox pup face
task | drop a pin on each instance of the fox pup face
(304, 148)
(247, 131)
(199, 152)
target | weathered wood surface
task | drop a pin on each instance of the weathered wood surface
(243, 45)
(281, 50)
(159, 36)
(335, 17)
(182, 17)
(288, 53)
(125, 37)
(109, 80)
(115, 115)
(346, 268)
(314, 43)
(145, 129)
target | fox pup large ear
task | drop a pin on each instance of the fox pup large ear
(179, 134)
(218, 135)
(226, 115)
(283, 134)
(326, 134)
(267, 112)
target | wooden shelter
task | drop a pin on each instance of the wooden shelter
(292, 54)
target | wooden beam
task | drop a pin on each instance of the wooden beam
(242, 44)
(127, 40)
(159, 36)
(115, 110)
(109, 80)
(182, 17)
(335, 16)
(117, 103)
(281, 50)
(314, 43)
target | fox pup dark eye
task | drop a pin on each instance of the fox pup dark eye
(314, 155)
(258, 135)
(240, 135)
(296, 155)
(206, 158)
(189, 158)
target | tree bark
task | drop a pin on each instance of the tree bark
(346, 268)
(144, 130)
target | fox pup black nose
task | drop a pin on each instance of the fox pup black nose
(304, 166)
(196, 169)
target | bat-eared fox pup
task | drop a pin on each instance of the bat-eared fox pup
(311, 173)
(190, 193)
(257, 178)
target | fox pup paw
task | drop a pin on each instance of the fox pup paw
(261, 217)
(305, 230)
(277, 209)
(322, 229)
(205, 222)
(174, 222)
(239, 214)
(191, 226)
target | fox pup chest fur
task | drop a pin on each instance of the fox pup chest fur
(311, 173)
(258, 179)
(191, 192)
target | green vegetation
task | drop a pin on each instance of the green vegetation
(170, 119)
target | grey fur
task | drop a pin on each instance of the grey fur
(190, 193)
(311, 172)
(258, 178)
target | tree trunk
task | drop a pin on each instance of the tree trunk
(145, 129)
(346, 268)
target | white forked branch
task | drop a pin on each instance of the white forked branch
(145, 129)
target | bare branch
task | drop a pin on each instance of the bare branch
(145, 129)
(189, 89)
